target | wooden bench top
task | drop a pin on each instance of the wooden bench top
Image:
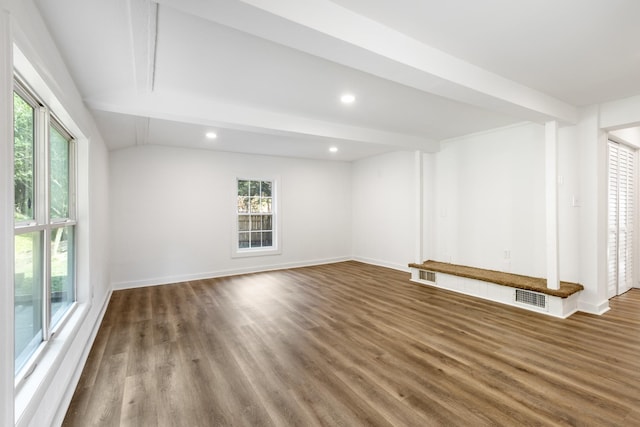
(536, 284)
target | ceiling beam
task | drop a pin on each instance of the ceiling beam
(327, 30)
(143, 20)
(621, 113)
(187, 108)
(142, 130)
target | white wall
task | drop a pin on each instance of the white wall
(172, 212)
(490, 198)
(384, 209)
(43, 398)
(569, 204)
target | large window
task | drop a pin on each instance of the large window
(44, 217)
(255, 210)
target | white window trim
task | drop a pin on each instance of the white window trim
(276, 249)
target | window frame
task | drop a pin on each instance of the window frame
(44, 121)
(276, 229)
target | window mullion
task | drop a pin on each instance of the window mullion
(42, 165)
(73, 215)
(42, 212)
(46, 307)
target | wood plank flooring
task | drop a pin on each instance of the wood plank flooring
(350, 344)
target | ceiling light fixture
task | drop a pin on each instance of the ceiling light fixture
(211, 135)
(333, 149)
(348, 98)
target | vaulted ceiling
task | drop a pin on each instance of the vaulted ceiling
(267, 75)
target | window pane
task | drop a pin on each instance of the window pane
(59, 170)
(28, 296)
(23, 122)
(266, 222)
(267, 238)
(243, 240)
(243, 223)
(243, 204)
(265, 205)
(256, 222)
(256, 239)
(254, 188)
(266, 189)
(62, 272)
(255, 204)
(243, 187)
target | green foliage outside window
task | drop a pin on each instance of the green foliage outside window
(23, 158)
(59, 171)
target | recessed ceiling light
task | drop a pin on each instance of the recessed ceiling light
(333, 149)
(348, 98)
(211, 135)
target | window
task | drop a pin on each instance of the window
(44, 230)
(255, 215)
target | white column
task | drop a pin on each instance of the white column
(428, 206)
(551, 209)
(418, 196)
(6, 221)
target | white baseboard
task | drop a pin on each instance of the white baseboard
(380, 263)
(598, 309)
(222, 273)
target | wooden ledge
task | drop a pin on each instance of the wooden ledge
(536, 284)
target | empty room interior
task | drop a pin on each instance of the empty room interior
(315, 212)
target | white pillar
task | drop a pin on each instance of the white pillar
(419, 200)
(551, 208)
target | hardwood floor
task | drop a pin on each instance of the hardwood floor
(351, 344)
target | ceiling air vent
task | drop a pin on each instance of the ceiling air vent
(429, 276)
(534, 299)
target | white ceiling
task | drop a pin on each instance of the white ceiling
(582, 52)
(266, 75)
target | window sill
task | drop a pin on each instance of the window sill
(244, 253)
(30, 390)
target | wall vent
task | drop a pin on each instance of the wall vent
(429, 276)
(534, 299)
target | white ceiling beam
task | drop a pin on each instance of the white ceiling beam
(143, 18)
(621, 113)
(340, 23)
(327, 30)
(142, 130)
(186, 108)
